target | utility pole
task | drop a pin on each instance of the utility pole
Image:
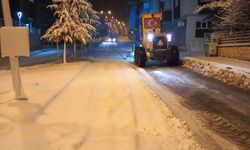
(14, 62)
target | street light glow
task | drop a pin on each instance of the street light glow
(101, 12)
(109, 12)
(19, 14)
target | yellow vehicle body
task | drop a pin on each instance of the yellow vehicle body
(151, 24)
(155, 45)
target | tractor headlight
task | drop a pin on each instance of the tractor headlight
(150, 37)
(114, 40)
(169, 37)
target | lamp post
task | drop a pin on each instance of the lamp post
(19, 15)
(14, 62)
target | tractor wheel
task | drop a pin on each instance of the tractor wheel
(174, 58)
(142, 57)
(136, 52)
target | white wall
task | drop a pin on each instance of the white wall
(194, 44)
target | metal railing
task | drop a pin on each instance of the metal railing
(235, 39)
(32, 29)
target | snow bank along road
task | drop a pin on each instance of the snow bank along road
(98, 105)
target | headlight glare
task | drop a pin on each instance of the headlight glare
(150, 37)
(169, 37)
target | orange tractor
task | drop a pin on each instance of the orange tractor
(155, 45)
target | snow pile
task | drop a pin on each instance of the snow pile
(99, 105)
(225, 74)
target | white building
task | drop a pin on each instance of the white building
(188, 29)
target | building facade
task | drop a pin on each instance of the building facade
(187, 28)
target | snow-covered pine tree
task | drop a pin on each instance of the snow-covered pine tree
(86, 18)
(64, 26)
(230, 14)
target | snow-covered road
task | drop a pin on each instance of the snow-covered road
(97, 105)
(103, 102)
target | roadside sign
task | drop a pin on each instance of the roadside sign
(14, 41)
(160, 43)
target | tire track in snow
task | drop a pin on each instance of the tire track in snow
(222, 125)
(120, 91)
(218, 109)
(53, 98)
(202, 135)
(135, 117)
(92, 114)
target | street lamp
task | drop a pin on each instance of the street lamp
(105, 13)
(19, 15)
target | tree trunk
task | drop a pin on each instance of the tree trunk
(85, 50)
(64, 53)
(58, 52)
(81, 49)
(74, 48)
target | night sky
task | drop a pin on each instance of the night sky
(119, 8)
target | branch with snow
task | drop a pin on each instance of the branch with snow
(230, 14)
